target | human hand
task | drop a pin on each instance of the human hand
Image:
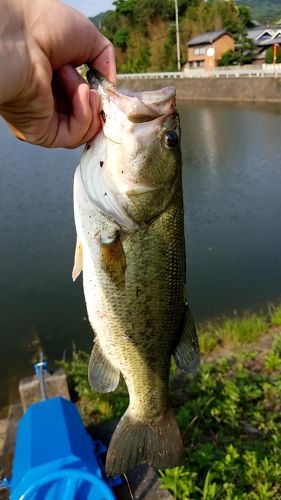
(43, 98)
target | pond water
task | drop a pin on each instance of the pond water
(232, 193)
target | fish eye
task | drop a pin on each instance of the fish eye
(171, 139)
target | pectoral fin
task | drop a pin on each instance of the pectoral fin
(113, 259)
(78, 260)
(102, 376)
(187, 353)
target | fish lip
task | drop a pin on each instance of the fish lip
(96, 79)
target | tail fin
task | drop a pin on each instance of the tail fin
(157, 442)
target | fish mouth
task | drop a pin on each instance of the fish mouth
(139, 107)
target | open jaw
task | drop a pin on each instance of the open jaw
(142, 107)
(138, 106)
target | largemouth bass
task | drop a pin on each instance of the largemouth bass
(130, 244)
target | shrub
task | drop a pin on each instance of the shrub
(121, 38)
(269, 56)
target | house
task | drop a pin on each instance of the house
(205, 50)
(263, 38)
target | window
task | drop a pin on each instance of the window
(199, 51)
(265, 35)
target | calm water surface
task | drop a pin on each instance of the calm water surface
(232, 191)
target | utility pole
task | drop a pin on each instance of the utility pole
(178, 35)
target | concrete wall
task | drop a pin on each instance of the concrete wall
(227, 89)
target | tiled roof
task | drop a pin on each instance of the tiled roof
(257, 34)
(270, 41)
(254, 33)
(205, 38)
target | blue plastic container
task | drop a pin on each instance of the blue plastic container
(54, 456)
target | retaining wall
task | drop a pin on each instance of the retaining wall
(226, 89)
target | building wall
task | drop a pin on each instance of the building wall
(192, 56)
(222, 45)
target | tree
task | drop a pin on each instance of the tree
(110, 24)
(230, 15)
(227, 59)
(126, 8)
(243, 53)
(244, 49)
(139, 64)
(121, 38)
(245, 16)
(269, 55)
(170, 52)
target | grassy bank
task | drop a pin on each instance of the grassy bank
(229, 414)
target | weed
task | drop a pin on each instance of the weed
(230, 422)
(179, 481)
(276, 345)
(245, 329)
(273, 361)
(231, 331)
(275, 315)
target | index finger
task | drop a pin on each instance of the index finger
(105, 63)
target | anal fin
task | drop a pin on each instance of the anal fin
(102, 376)
(187, 352)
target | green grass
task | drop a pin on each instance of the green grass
(275, 315)
(237, 330)
(229, 414)
(245, 329)
(231, 426)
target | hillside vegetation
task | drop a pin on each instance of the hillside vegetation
(265, 11)
(143, 31)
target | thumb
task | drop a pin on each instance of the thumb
(82, 120)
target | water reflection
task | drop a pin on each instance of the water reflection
(233, 204)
